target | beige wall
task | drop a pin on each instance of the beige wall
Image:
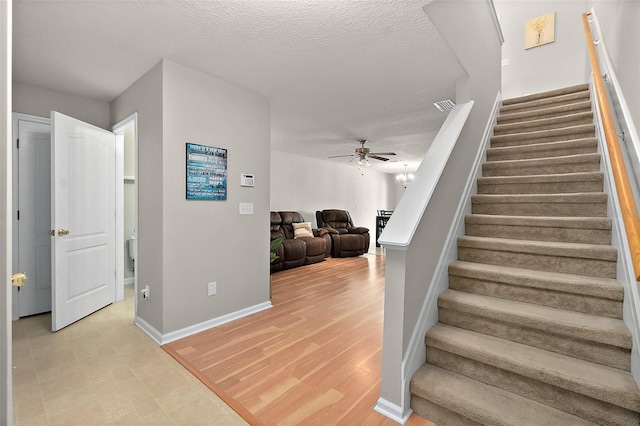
(38, 101)
(209, 240)
(305, 185)
(145, 97)
(184, 244)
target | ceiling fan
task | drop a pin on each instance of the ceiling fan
(363, 154)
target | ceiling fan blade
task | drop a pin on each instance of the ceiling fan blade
(378, 158)
(382, 153)
(339, 156)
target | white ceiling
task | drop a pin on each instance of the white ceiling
(335, 70)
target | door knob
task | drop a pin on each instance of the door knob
(19, 279)
(62, 232)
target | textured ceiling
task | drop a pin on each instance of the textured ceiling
(335, 70)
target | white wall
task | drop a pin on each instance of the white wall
(38, 101)
(619, 22)
(6, 399)
(305, 185)
(550, 66)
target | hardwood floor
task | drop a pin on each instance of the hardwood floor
(313, 359)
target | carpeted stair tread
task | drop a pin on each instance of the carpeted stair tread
(576, 325)
(570, 283)
(578, 88)
(608, 384)
(551, 111)
(578, 163)
(586, 251)
(584, 204)
(578, 198)
(588, 230)
(548, 149)
(482, 403)
(555, 122)
(552, 135)
(556, 177)
(541, 184)
(570, 258)
(543, 102)
(542, 221)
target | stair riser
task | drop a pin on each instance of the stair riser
(439, 415)
(551, 112)
(539, 296)
(545, 103)
(578, 89)
(539, 233)
(538, 168)
(580, 405)
(510, 128)
(565, 264)
(540, 188)
(559, 135)
(524, 153)
(608, 355)
(542, 209)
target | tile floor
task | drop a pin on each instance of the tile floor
(103, 370)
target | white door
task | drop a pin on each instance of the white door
(83, 219)
(34, 216)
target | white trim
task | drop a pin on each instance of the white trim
(496, 21)
(402, 225)
(392, 411)
(163, 339)
(416, 351)
(625, 271)
(130, 123)
(16, 117)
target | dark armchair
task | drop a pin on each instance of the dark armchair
(297, 249)
(346, 239)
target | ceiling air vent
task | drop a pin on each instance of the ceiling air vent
(444, 106)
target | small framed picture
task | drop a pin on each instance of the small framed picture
(206, 172)
(539, 31)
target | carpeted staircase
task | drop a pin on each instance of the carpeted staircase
(530, 330)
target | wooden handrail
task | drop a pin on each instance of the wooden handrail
(628, 207)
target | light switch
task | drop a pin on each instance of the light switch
(246, 208)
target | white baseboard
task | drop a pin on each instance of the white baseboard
(162, 339)
(392, 411)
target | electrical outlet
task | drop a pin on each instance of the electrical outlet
(212, 289)
(146, 293)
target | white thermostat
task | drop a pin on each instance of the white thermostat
(246, 179)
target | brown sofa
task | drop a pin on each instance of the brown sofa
(346, 239)
(297, 250)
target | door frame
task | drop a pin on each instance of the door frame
(15, 119)
(119, 129)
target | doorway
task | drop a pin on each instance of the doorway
(32, 194)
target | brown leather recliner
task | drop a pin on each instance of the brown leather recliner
(294, 252)
(346, 239)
